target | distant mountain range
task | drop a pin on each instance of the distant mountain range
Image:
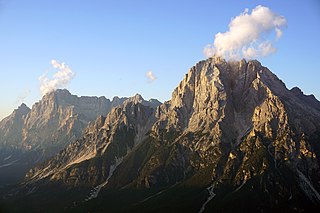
(31, 136)
(232, 138)
(53, 122)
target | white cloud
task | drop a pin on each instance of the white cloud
(59, 80)
(263, 49)
(151, 76)
(248, 35)
(278, 33)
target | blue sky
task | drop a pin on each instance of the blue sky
(111, 45)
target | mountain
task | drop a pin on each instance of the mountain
(11, 127)
(106, 141)
(59, 117)
(28, 137)
(10, 137)
(234, 129)
(232, 138)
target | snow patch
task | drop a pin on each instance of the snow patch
(237, 189)
(95, 191)
(211, 196)
(7, 158)
(8, 164)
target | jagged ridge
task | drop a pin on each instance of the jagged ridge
(231, 128)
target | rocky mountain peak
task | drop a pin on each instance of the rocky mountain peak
(109, 137)
(231, 130)
(17, 114)
(216, 91)
(11, 127)
(20, 112)
(24, 108)
(116, 101)
(137, 98)
(297, 91)
(58, 97)
(153, 103)
(57, 118)
(205, 89)
(61, 92)
(60, 117)
(309, 99)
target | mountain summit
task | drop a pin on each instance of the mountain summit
(30, 136)
(11, 127)
(59, 117)
(232, 133)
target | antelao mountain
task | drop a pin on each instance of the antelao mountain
(232, 138)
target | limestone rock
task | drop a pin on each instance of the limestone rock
(105, 140)
(11, 127)
(231, 129)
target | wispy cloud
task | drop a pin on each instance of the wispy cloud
(249, 35)
(59, 80)
(151, 76)
(23, 96)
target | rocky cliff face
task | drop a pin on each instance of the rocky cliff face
(232, 123)
(11, 127)
(60, 118)
(28, 137)
(231, 133)
(53, 122)
(92, 159)
(244, 125)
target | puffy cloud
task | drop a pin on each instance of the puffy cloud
(248, 35)
(151, 76)
(60, 79)
(263, 49)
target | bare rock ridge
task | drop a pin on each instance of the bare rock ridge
(231, 126)
(11, 127)
(30, 136)
(60, 117)
(105, 141)
(207, 88)
(231, 129)
(56, 119)
(310, 99)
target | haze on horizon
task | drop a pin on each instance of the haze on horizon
(112, 48)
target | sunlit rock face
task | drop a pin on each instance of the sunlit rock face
(60, 117)
(231, 133)
(52, 123)
(91, 159)
(11, 127)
